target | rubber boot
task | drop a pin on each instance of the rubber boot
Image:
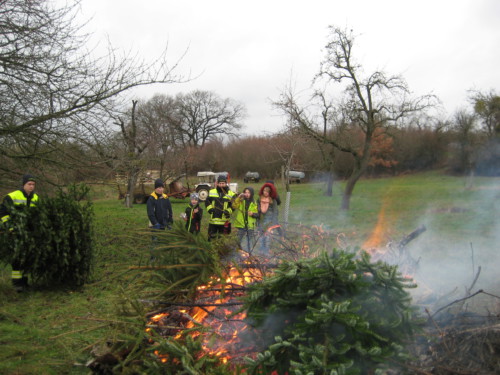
(18, 285)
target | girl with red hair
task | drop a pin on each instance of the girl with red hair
(268, 214)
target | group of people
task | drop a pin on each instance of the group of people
(252, 217)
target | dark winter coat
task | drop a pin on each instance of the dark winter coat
(159, 210)
(193, 223)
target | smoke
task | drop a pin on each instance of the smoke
(463, 229)
(461, 241)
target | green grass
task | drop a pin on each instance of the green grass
(51, 331)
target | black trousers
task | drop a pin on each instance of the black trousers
(215, 230)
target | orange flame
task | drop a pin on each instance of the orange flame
(377, 235)
(220, 319)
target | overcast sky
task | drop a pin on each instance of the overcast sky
(250, 50)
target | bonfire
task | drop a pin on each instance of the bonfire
(211, 321)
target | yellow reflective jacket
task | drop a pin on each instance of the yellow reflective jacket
(217, 202)
(246, 213)
(18, 198)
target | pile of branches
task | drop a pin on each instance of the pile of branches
(460, 339)
(456, 338)
(459, 350)
(364, 301)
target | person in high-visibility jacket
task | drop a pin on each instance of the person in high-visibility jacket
(25, 196)
(245, 217)
(218, 204)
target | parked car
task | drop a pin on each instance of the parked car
(295, 176)
(251, 176)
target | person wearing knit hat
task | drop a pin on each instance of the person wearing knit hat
(219, 207)
(221, 178)
(159, 208)
(25, 196)
(193, 214)
(28, 178)
(159, 183)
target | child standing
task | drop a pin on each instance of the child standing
(194, 214)
(245, 218)
(268, 214)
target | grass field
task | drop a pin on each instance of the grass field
(51, 332)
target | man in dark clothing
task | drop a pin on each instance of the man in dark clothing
(25, 196)
(159, 208)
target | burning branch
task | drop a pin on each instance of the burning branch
(417, 232)
(192, 304)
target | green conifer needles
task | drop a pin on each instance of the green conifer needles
(53, 241)
(334, 314)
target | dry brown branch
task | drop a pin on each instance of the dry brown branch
(164, 327)
(79, 330)
(457, 301)
(108, 321)
(417, 232)
(189, 304)
(480, 330)
(413, 368)
(226, 290)
(164, 267)
(491, 295)
(474, 281)
(464, 372)
(441, 334)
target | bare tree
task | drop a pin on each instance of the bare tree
(203, 116)
(50, 84)
(158, 118)
(326, 149)
(463, 125)
(135, 145)
(368, 103)
(487, 110)
(286, 147)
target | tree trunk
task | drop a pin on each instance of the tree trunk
(346, 197)
(329, 182)
(131, 182)
(359, 170)
(360, 165)
(329, 185)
